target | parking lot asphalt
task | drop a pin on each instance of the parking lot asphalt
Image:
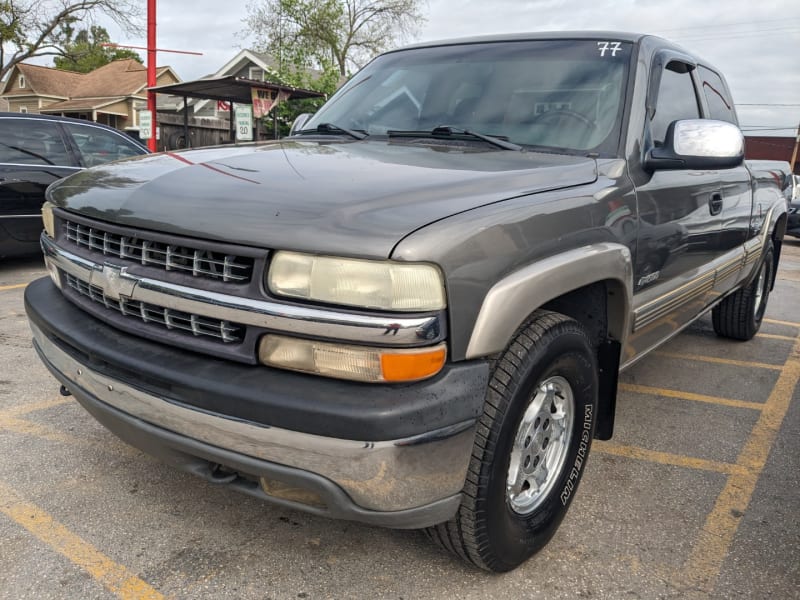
(697, 495)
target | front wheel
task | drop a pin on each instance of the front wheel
(530, 448)
(739, 315)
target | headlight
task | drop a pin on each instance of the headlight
(376, 284)
(358, 363)
(49, 220)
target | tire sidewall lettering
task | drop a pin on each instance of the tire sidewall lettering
(560, 358)
(586, 432)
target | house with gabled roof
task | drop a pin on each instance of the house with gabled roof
(105, 95)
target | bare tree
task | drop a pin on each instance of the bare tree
(344, 33)
(31, 28)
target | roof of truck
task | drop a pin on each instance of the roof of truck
(539, 35)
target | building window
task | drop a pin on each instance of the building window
(21, 81)
(23, 109)
(256, 73)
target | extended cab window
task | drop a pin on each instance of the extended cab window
(566, 94)
(720, 105)
(32, 142)
(676, 100)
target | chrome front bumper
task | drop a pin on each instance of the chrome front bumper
(422, 475)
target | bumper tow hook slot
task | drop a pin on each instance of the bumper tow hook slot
(64, 391)
(218, 474)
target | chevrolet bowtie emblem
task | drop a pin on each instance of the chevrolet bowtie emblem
(114, 281)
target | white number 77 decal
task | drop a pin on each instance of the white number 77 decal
(612, 47)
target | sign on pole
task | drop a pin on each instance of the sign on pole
(145, 124)
(244, 123)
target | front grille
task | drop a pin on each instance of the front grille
(159, 316)
(171, 257)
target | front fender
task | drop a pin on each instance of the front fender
(512, 299)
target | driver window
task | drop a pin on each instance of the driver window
(676, 100)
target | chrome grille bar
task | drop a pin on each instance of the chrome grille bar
(171, 257)
(220, 330)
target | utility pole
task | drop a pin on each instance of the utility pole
(794, 152)
(152, 143)
(151, 72)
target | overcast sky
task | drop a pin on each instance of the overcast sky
(755, 43)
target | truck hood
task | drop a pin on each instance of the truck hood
(350, 199)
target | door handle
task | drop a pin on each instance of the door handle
(715, 203)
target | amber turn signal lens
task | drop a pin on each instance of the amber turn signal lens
(412, 367)
(357, 363)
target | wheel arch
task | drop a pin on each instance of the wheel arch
(592, 285)
(563, 283)
(778, 232)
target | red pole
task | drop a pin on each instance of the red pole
(151, 70)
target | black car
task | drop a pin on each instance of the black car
(35, 151)
(793, 224)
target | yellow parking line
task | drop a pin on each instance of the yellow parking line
(116, 578)
(17, 286)
(665, 458)
(717, 360)
(712, 546)
(654, 391)
(776, 322)
(773, 336)
(24, 409)
(37, 430)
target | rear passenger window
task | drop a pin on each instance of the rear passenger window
(676, 100)
(99, 146)
(720, 105)
(32, 142)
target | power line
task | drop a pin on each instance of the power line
(734, 34)
(757, 129)
(723, 25)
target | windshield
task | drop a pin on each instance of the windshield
(565, 94)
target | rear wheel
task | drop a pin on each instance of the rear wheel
(739, 315)
(530, 447)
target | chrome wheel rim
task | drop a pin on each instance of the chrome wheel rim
(759, 297)
(540, 445)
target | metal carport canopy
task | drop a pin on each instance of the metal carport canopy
(229, 89)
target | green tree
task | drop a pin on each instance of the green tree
(31, 28)
(85, 51)
(323, 33)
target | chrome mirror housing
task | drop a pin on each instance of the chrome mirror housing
(698, 144)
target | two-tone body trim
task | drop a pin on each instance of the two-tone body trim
(732, 267)
(509, 302)
(663, 305)
(754, 247)
(741, 260)
(115, 281)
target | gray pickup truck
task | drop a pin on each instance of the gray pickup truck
(412, 312)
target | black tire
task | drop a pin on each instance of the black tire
(739, 315)
(488, 530)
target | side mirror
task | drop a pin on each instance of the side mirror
(299, 121)
(698, 144)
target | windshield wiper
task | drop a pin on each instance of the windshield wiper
(445, 131)
(330, 128)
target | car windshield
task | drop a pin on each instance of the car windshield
(565, 95)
